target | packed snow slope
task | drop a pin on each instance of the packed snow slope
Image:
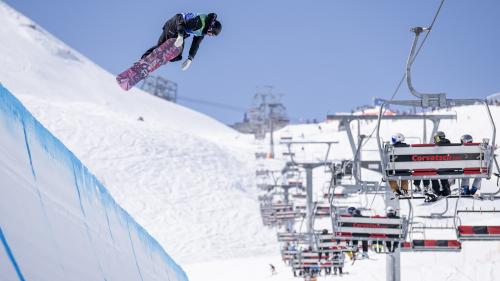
(185, 177)
(57, 222)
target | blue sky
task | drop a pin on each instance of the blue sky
(325, 55)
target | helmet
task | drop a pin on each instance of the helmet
(214, 28)
(397, 138)
(351, 210)
(466, 138)
(439, 136)
(390, 211)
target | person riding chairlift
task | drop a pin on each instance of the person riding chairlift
(476, 184)
(391, 213)
(364, 243)
(440, 187)
(397, 140)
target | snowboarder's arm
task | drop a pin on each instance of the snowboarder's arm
(194, 46)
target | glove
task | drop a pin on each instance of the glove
(186, 64)
(178, 42)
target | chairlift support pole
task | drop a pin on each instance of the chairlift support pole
(393, 260)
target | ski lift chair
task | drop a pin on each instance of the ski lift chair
(296, 237)
(477, 232)
(422, 227)
(374, 229)
(299, 195)
(322, 211)
(282, 207)
(328, 244)
(307, 261)
(431, 246)
(287, 255)
(429, 161)
(286, 216)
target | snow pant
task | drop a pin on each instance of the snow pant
(441, 187)
(425, 182)
(161, 40)
(397, 189)
(391, 246)
(364, 246)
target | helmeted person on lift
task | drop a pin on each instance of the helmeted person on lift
(397, 140)
(476, 184)
(364, 243)
(440, 187)
(391, 213)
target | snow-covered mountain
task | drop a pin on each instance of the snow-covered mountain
(177, 166)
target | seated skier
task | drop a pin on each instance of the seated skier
(476, 184)
(181, 26)
(364, 243)
(440, 187)
(397, 140)
(391, 213)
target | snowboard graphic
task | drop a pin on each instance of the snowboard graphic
(143, 67)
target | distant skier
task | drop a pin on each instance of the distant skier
(273, 269)
(181, 26)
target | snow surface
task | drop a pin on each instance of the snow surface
(57, 222)
(189, 180)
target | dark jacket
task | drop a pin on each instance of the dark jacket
(178, 26)
(443, 141)
(400, 144)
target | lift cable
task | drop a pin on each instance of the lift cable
(211, 103)
(404, 74)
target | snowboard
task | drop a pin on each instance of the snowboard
(142, 68)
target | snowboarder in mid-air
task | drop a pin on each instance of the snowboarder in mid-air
(181, 26)
(170, 46)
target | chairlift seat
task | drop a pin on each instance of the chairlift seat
(430, 161)
(292, 237)
(282, 207)
(312, 259)
(299, 196)
(479, 232)
(288, 254)
(287, 215)
(370, 228)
